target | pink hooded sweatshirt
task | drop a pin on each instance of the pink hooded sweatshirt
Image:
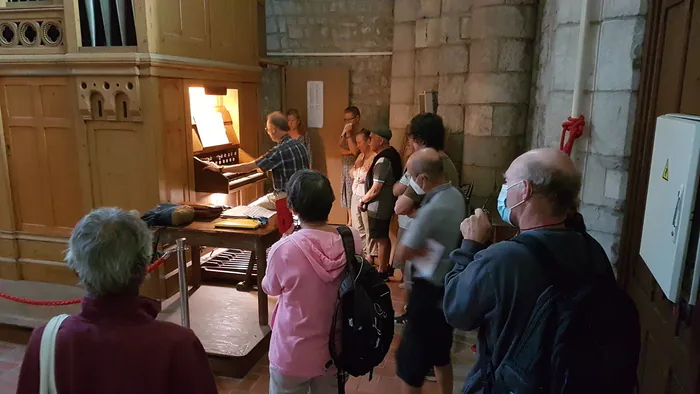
(305, 270)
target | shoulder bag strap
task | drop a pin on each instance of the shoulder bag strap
(47, 356)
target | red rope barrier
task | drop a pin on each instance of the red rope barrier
(27, 301)
(575, 127)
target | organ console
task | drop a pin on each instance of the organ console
(214, 139)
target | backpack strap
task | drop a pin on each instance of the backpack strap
(47, 356)
(348, 242)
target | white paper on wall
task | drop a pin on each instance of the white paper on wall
(314, 100)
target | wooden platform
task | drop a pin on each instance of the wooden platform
(224, 319)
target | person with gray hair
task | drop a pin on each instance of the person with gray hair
(495, 288)
(115, 344)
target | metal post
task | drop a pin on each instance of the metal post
(182, 273)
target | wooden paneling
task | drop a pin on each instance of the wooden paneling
(122, 166)
(42, 250)
(40, 135)
(220, 30)
(174, 141)
(670, 340)
(50, 273)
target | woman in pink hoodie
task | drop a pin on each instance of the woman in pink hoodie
(305, 270)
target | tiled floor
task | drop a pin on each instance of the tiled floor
(384, 381)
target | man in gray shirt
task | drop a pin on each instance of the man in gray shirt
(427, 338)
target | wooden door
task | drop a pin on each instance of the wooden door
(670, 358)
(324, 140)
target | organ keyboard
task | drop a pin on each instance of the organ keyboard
(212, 182)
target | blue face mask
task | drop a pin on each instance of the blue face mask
(502, 205)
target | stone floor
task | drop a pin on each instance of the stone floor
(384, 381)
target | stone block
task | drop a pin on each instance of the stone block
(483, 55)
(615, 185)
(450, 90)
(507, 88)
(282, 24)
(271, 25)
(450, 33)
(623, 8)
(429, 8)
(273, 42)
(406, 10)
(612, 123)
(403, 64)
(454, 148)
(296, 32)
(565, 58)
(497, 152)
(456, 6)
(404, 36)
(428, 33)
(453, 118)
(619, 40)
(427, 61)
(425, 84)
(570, 11)
(509, 120)
(596, 168)
(557, 110)
(478, 120)
(515, 55)
(484, 179)
(402, 90)
(454, 59)
(400, 115)
(464, 23)
(505, 21)
(602, 219)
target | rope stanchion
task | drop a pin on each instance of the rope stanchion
(27, 301)
(574, 126)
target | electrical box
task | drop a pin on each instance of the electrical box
(673, 182)
(427, 102)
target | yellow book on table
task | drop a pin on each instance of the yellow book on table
(241, 223)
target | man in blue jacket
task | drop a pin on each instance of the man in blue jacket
(494, 289)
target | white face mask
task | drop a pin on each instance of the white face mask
(414, 185)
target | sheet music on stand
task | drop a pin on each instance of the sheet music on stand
(246, 211)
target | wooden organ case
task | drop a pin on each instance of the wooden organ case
(97, 111)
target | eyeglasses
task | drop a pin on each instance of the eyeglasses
(348, 120)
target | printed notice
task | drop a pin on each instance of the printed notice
(314, 100)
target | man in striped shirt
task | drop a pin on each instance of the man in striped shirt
(283, 160)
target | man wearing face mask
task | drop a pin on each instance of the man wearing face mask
(427, 338)
(495, 288)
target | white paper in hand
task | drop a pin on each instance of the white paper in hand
(425, 265)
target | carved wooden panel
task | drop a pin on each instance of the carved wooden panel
(33, 30)
(43, 154)
(176, 156)
(109, 98)
(121, 166)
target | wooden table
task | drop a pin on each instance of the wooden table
(200, 234)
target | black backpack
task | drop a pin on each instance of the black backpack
(366, 315)
(582, 337)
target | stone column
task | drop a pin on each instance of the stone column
(496, 90)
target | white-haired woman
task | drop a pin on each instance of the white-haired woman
(116, 345)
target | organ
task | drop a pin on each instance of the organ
(113, 103)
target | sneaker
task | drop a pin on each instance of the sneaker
(400, 320)
(431, 375)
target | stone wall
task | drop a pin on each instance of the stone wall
(339, 26)
(613, 56)
(477, 54)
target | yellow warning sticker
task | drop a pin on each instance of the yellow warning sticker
(664, 176)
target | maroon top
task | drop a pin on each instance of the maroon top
(116, 346)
